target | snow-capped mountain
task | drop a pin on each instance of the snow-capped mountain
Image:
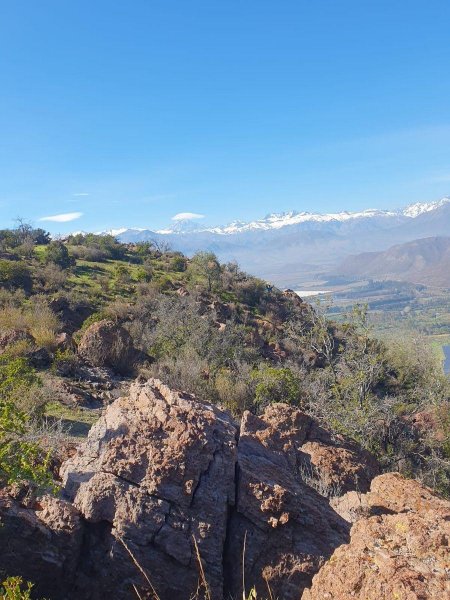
(295, 247)
(279, 220)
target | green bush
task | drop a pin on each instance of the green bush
(178, 264)
(204, 269)
(250, 291)
(275, 385)
(58, 254)
(15, 275)
(14, 588)
(21, 460)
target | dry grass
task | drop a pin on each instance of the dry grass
(203, 591)
(37, 319)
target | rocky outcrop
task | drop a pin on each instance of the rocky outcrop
(400, 549)
(170, 476)
(287, 528)
(158, 473)
(42, 545)
(166, 483)
(108, 344)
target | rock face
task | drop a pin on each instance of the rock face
(165, 481)
(161, 470)
(288, 528)
(402, 551)
(107, 344)
(157, 472)
(42, 546)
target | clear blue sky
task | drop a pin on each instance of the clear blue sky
(131, 112)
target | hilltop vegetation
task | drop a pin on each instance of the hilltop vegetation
(206, 328)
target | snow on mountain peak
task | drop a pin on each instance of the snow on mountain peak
(275, 221)
(419, 208)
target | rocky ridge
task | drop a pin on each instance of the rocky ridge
(165, 481)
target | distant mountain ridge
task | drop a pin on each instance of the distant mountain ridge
(424, 261)
(299, 248)
(279, 220)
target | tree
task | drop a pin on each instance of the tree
(57, 253)
(206, 267)
(40, 236)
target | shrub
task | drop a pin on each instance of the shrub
(15, 275)
(143, 274)
(107, 244)
(121, 274)
(250, 291)
(275, 385)
(43, 324)
(57, 253)
(52, 277)
(36, 318)
(144, 248)
(15, 373)
(235, 388)
(14, 588)
(89, 253)
(20, 460)
(178, 263)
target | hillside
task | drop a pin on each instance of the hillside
(154, 408)
(424, 261)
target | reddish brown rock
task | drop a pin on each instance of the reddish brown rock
(9, 337)
(341, 468)
(41, 545)
(64, 342)
(107, 344)
(162, 473)
(289, 530)
(157, 471)
(402, 554)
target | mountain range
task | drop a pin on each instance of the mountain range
(423, 261)
(301, 248)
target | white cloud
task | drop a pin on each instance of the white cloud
(80, 194)
(187, 216)
(64, 218)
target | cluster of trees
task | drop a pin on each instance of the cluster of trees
(96, 248)
(23, 238)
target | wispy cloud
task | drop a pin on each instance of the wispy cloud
(63, 218)
(187, 216)
(80, 194)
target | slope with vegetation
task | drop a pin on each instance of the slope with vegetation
(79, 317)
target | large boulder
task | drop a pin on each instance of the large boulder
(157, 472)
(167, 475)
(108, 344)
(400, 549)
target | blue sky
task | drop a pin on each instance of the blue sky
(133, 112)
